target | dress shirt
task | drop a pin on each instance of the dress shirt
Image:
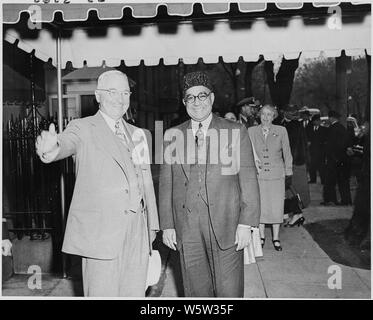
(111, 123)
(205, 125)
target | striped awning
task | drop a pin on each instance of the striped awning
(114, 43)
(112, 10)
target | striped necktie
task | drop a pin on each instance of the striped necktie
(200, 137)
(119, 132)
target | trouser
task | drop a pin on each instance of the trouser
(317, 166)
(124, 276)
(207, 270)
(337, 175)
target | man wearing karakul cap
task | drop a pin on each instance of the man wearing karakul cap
(206, 208)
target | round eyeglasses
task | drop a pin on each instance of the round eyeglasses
(116, 93)
(202, 96)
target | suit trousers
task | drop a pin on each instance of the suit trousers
(124, 276)
(317, 166)
(337, 175)
(207, 270)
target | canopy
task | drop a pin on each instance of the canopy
(113, 10)
(188, 39)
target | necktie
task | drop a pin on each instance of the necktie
(200, 136)
(119, 132)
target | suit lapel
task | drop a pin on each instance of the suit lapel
(106, 139)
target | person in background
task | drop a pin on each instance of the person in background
(358, 230)
(230, 116)
(316, 135)
(274, 165)
(337, 147)
(298, 145)
(305, 118)
(248, 112)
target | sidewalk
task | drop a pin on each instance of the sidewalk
(299, 271)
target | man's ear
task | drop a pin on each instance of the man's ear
(184, 103)
(212, 97)
(98, 97)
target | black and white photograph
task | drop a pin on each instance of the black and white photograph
(182, 149)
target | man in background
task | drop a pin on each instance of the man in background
(316, 136)
(337, 162)
(248, 112)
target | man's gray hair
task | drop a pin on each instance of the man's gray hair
(103, 77)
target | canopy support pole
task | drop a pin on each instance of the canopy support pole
(60, 129)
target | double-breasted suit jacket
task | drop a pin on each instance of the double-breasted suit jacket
(102, 194)
(274, 154)
(232, 188)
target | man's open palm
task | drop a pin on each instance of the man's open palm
(46, 144)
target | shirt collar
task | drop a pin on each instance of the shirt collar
(205, 124)
(110, 122)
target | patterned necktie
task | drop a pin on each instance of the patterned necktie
(200, 137)
(119, 132)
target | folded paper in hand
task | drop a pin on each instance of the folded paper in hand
(254, 249)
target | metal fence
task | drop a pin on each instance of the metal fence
(31, 189)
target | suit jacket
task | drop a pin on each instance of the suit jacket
(317, 141)
(5, 232)
(274, 152)
(297, 140)
(232, 188)
(101, 195)
(336, 143)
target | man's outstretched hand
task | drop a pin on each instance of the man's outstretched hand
(46, 145)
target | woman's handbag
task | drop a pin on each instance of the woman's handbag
(293, 204)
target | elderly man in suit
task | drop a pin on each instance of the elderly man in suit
(113, 214)
(209, 195)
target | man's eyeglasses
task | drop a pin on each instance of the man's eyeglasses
(202, 96)
(116, 93)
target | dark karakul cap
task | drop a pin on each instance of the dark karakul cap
(197, 78)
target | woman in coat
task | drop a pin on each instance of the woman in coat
(274, 165)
